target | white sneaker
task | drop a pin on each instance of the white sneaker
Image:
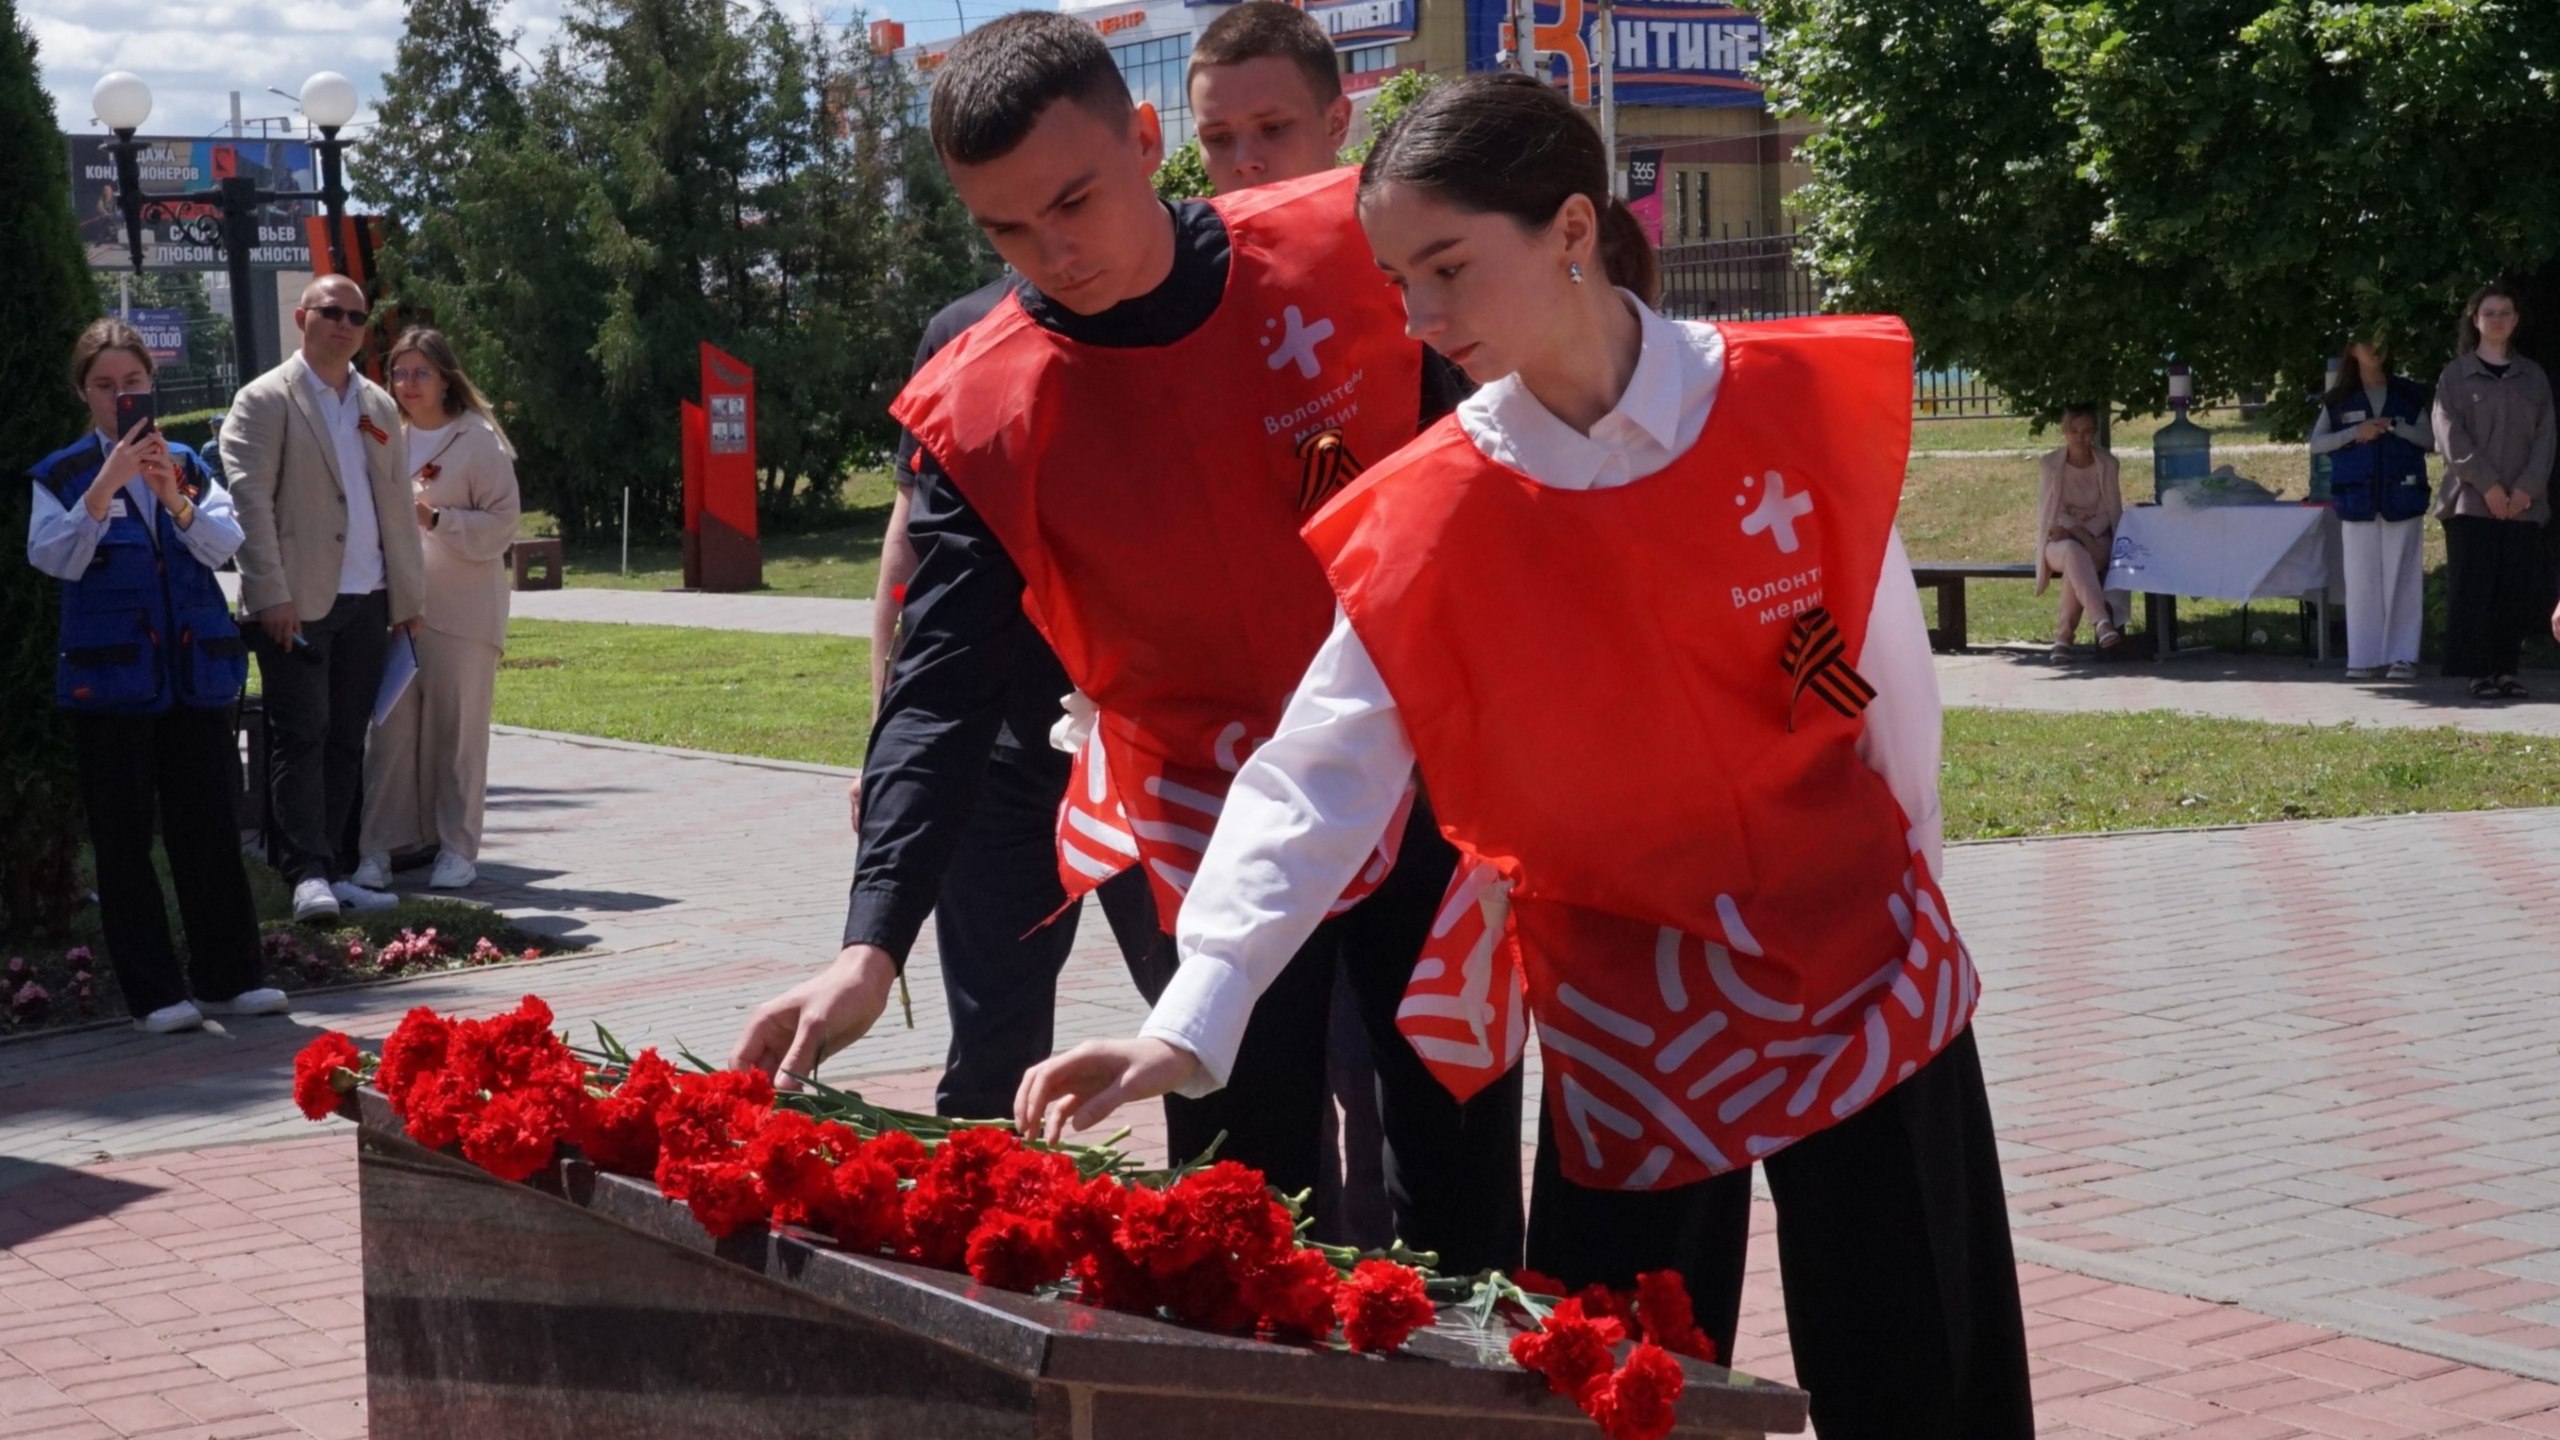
(452, 872)
(2404, 670)
(2364, 672)
(170, 1019)
(262, 1001)
(315, 900)
(357, 897)
(373, 874)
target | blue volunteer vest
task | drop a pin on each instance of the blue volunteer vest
(2386, 479)
(145, 627)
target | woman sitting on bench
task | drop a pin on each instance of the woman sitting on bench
(2077, 506)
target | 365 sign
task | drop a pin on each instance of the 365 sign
(1669, 52)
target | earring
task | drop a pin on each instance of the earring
(1573, 271)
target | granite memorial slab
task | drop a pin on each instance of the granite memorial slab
(585, 1304)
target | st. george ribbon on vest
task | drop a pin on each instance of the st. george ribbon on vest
(1636, 711)
(1152, 498)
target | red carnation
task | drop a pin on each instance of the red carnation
(619, 1132)
(1663, 1310)
(1381, 1304)
(1571, 1348)
(1296, 1296)
(899, 1151)
(515, 1134)
(1015, 1252)
(953, 1191)
(863, 1209)
(438, 1107)
(315, 1073)
(1640, 1400)
(415, 1048)
(794, 1164)
(1618, 1305)
(1232, 1205)
(1156, 1233)
(724, 1197)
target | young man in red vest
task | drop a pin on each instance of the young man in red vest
(1122, 453)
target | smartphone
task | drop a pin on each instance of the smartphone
(136, 407)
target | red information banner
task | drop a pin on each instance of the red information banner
(721, 551)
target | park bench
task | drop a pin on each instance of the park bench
(1948, 580)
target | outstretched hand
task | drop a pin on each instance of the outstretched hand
(1083, 1086)
(788, 1035)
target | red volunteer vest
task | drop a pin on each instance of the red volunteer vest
(1152, 499)
(1636, 706)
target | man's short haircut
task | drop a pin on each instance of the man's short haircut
(1274, 28)
(994, 84)
(321, 285)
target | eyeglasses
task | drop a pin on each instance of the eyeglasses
(342, 315)
(412, 377)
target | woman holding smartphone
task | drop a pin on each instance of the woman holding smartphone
(1726, 922)
(150, 667)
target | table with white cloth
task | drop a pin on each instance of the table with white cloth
(2227, 552)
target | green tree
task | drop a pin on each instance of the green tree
(2064, 196)
(446, 97)
(45, 297)
(689, 171)
(1184, 175)
(1396, 95)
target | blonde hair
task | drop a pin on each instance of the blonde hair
(459, 393)
(101, 337)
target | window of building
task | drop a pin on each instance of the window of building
(1369, 61)
(1155, 72)
(1684, 219)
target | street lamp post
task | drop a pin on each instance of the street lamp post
(122, 102)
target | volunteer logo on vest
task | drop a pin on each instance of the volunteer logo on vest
(1777, 513)
(1298, 343)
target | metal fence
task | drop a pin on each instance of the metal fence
(1764, 278)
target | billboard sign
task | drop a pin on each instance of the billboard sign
(1669, 52)
(187, 235)
(165, 331)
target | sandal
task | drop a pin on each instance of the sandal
(2109, 637)
(2510, 688)
(2486, 688)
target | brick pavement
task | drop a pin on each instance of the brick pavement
(2285, 689)
(773, 614)
(2304, 1067)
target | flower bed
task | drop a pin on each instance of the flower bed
(1207, 1246)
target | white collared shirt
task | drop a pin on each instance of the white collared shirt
(342, 415)
(1310, 805)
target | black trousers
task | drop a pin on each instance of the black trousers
(1893, 1251)
(177, 768)
(1452, 1171)
(2496, 593)
(319, 701)
(1000, 956)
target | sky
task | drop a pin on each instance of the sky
(194, 53)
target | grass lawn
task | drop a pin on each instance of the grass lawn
(785, 697)
(840, 562)
(2011, 772)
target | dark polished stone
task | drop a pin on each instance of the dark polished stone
(585, 1304)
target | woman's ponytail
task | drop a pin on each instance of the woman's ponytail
(1627, 253)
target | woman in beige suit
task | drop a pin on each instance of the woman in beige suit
(427, 771)
(2078, 502)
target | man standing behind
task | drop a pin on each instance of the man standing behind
(329, 567)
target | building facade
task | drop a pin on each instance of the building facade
(1691, 119)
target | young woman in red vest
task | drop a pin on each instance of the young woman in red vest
(1637, 618)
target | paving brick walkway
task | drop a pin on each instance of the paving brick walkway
(2281, 688)
(774, 614)
(2304, 1068)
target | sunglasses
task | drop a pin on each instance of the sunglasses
(341, 314)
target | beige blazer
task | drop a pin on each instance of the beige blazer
(293, 515)
(2049, 504)
(473, 492)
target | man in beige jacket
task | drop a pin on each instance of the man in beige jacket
(330, 565)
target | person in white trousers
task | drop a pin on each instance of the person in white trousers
(427, 771)
(2374, 428)
(2078, 502)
